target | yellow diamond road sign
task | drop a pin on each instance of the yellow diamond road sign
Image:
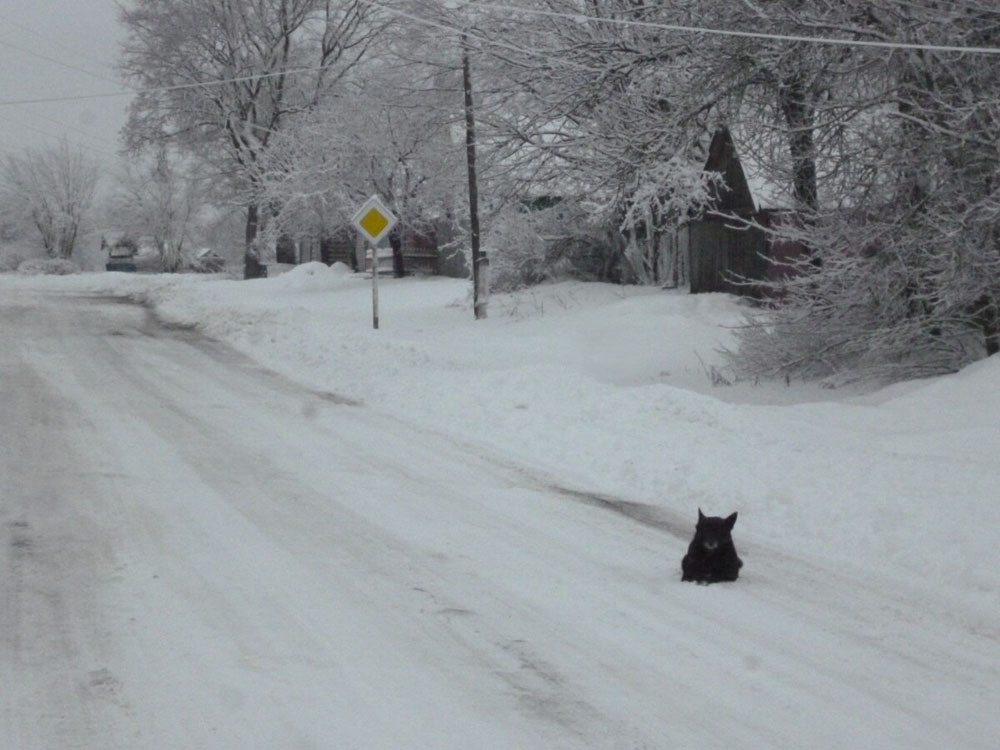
(373, 219)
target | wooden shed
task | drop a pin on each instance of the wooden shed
(724, 253)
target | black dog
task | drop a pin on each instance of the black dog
(711, 556)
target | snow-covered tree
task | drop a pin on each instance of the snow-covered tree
(221, 78)
(54, 189)
(902, 277)
(592, 103)
(393, 139)
(156, 197)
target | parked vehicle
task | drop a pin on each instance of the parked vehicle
(121, 254)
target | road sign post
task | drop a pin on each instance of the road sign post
(374, 221)
(374, 286)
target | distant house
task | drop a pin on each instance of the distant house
(728, 248)
(408, 252)
(208, 260)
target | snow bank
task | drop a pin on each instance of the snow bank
(48, 267)
(313, 276)
(607, 389)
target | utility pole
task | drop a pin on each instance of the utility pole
(480, 263)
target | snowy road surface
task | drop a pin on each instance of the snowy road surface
(199, 554)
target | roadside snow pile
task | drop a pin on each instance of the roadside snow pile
(311, 276)
(609, 389)
(48, 267)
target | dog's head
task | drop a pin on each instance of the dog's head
(713, 532)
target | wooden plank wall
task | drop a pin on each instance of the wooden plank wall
(723, 257)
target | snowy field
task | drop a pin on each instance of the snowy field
(876, 507)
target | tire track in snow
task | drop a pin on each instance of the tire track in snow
(794, 650)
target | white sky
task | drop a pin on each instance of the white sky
(60, 48)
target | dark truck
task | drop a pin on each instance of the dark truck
(121, 254)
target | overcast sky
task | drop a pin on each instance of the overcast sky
(53, 49)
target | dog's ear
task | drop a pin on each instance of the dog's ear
(701, 516)
(731, 521)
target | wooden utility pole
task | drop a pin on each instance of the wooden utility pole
(480, 263)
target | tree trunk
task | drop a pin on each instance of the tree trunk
(67, 239)
(987, 315)
(480, 263)
(251, 255)
(360, 252)
(396, 243)
(799, 119)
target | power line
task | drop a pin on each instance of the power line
(54, 61)
(80, 132)
(240, 79)
(472, 35)
(678, 28)
(49, 134)
(76, 49)
(162, 89)
(681, 28)
(74, 98)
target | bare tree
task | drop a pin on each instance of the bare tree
(156, 197)
(52, 187)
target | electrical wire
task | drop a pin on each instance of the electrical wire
(77, 50)
(162, 89)
(54, 61)
(682, 28)
(255, 77)
(678, 28)
(56, 137)
(79, 132)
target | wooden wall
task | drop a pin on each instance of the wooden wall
(724, 258)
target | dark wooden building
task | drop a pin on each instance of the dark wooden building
(413, 251)
(726, 251)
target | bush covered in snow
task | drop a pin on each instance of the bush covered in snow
(516, 251)
(14, 253)
(528, 246)
(9, 260)
(48, 267)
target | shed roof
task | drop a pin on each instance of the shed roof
(722, 158)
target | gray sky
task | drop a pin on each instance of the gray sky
(60, 48)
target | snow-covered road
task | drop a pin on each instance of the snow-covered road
(198, 553)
